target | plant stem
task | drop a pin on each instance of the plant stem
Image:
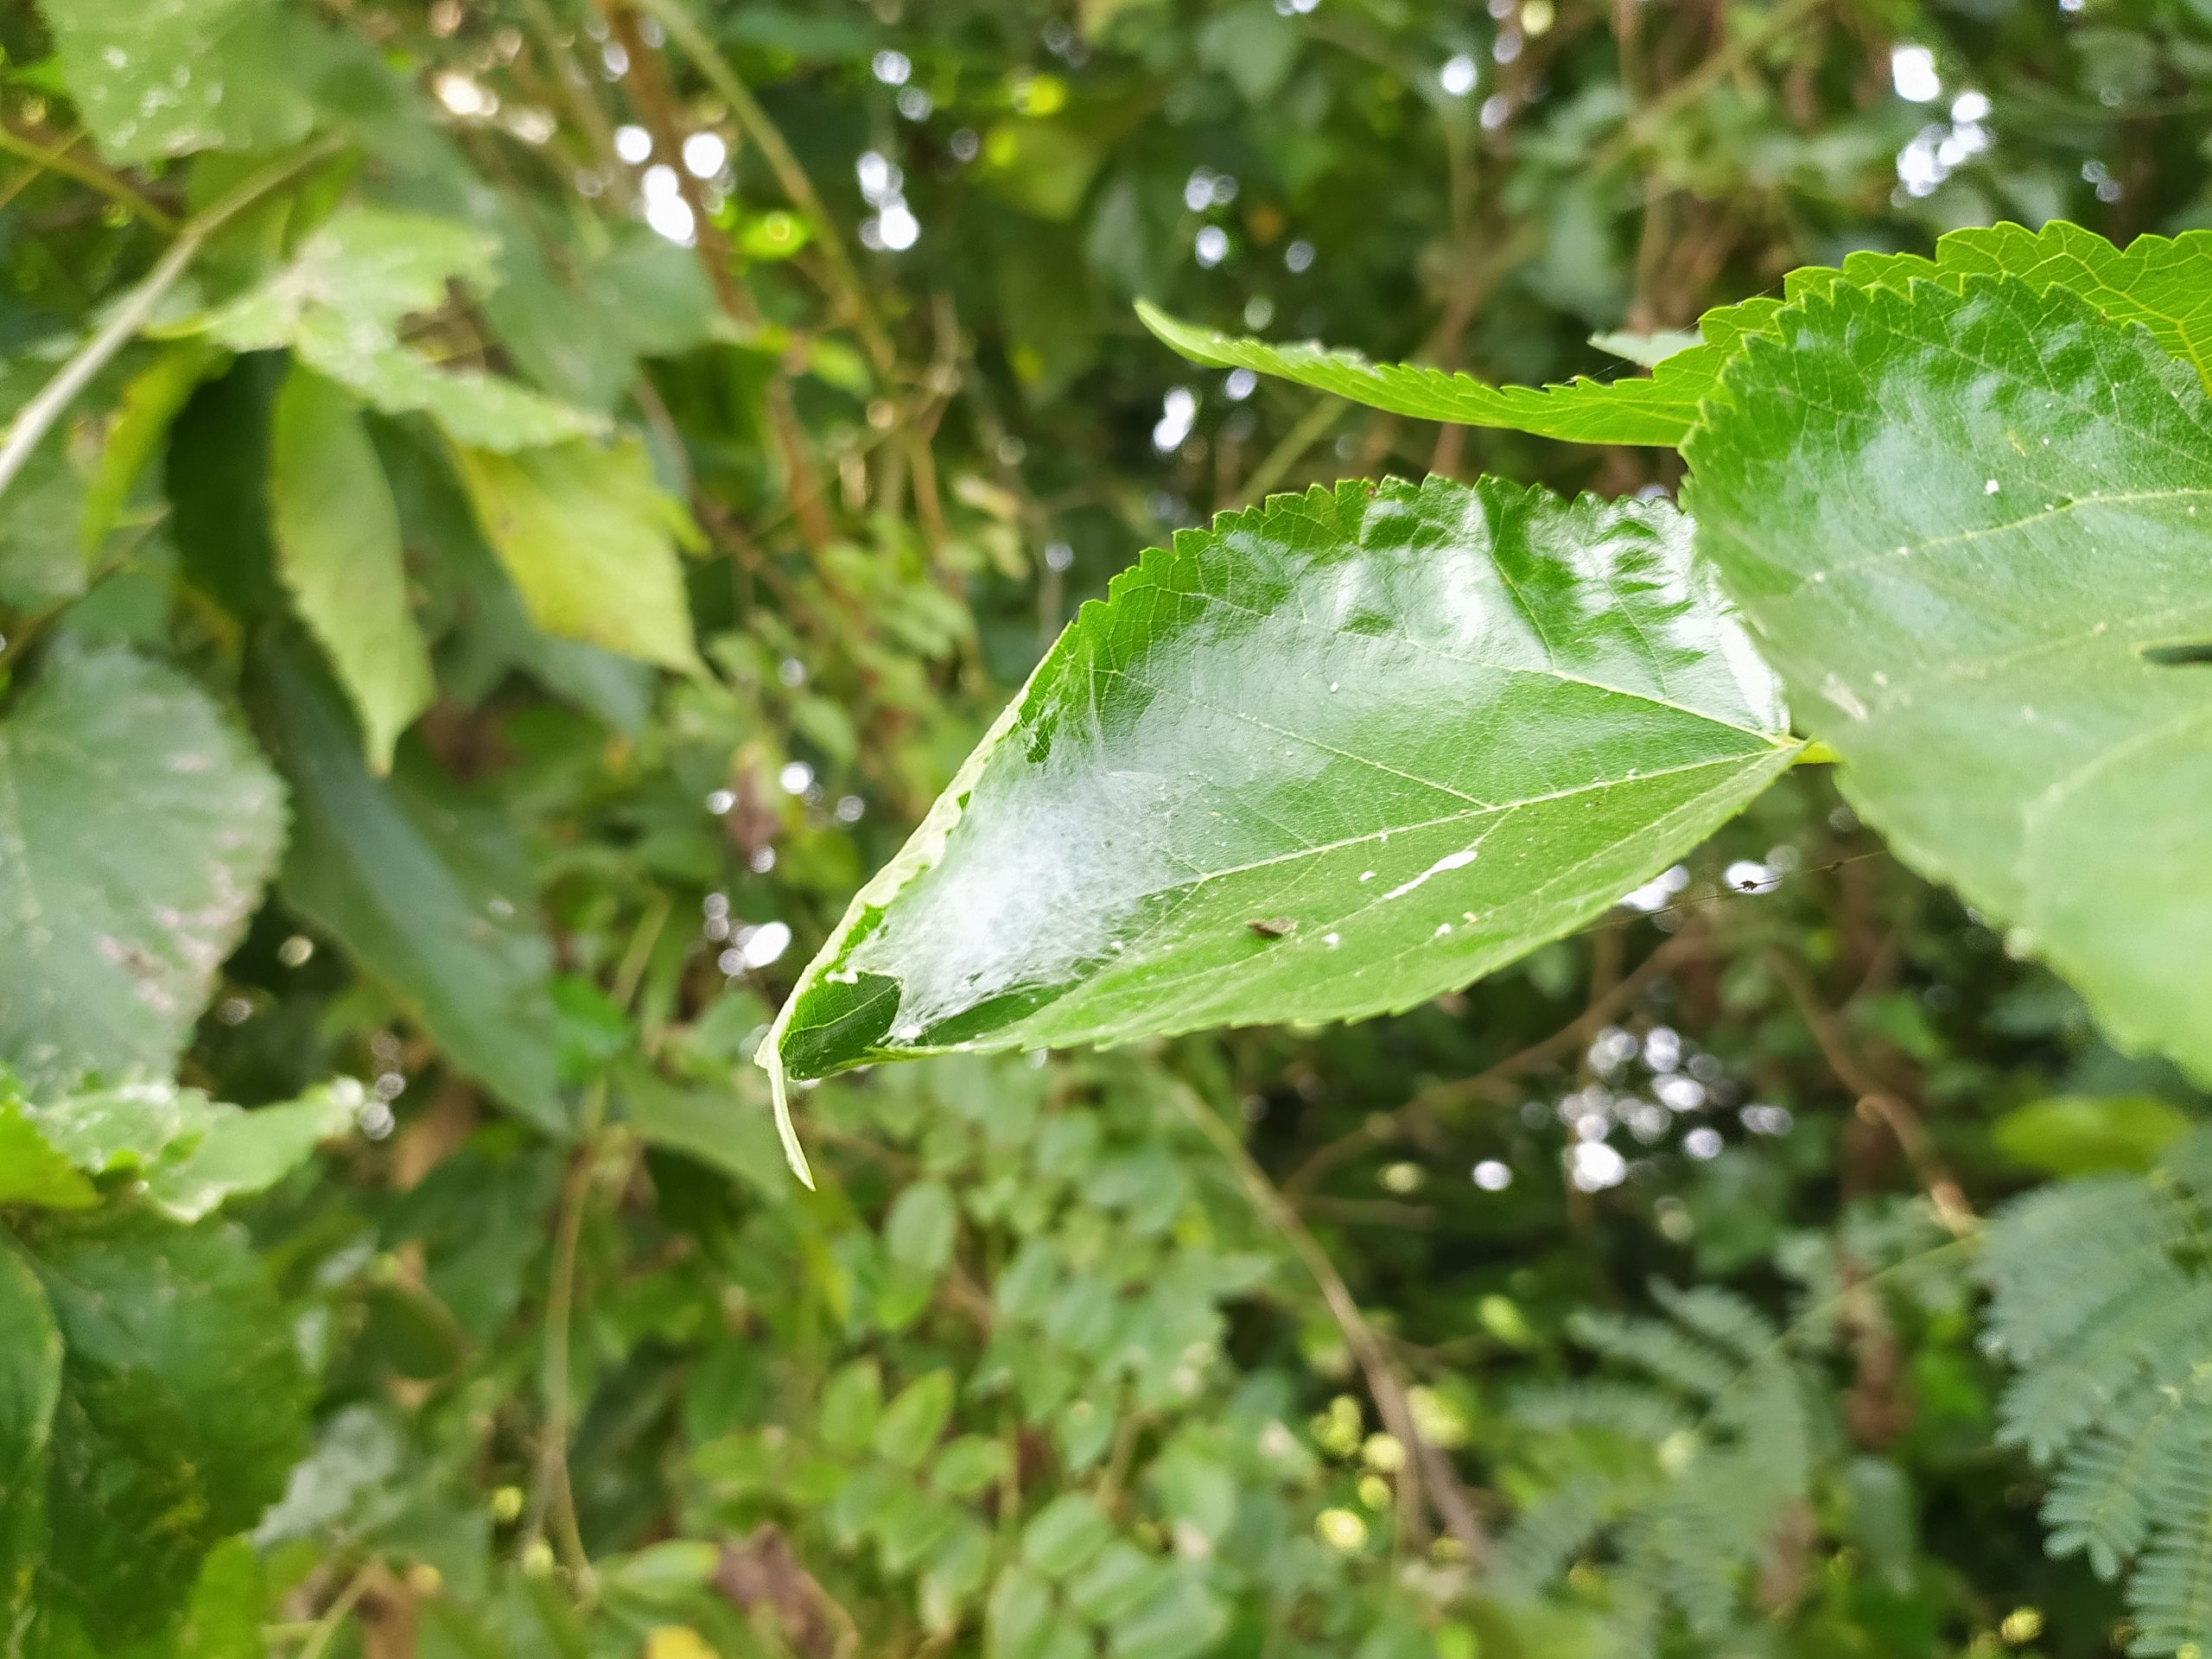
(844, 277)
(1286, 453)
(335, 1616)
(555, 1499)
(1426, 1476)
(53, 157)
(36, 418)
(1875, 1103)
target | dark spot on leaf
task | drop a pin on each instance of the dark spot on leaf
(2182, 653)
(1274, 927)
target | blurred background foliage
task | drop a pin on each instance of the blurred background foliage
(755, 392)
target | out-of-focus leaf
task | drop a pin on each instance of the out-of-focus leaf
(338, 551)
(216, 473)
(664, 1571)
(191, 1154)
(918, 1232)
(851, 1403)
(1969, 528)
(1328, 758)
(30, 1386)
(590, 540)
(136, 829)
(2075, 1135)
(422, 888)
(724, 1132)
(1041, 166)
(911, 1424)
(141, 421)
(182, 1406)
(128, 1128)
(243, 1152)
(1253, 44)
(230, 1601)
(337, 306)
(42, 561)
(155, 78)
(442, 533)
(1184, 1621)
(1062, 1537)
(33, 1170)
(656, 293)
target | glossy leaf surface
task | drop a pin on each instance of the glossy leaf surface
(1325, 760)
(1971, 531)
(136, 830)
(2163, 283)
(338, 551)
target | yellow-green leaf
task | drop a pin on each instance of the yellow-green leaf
(591, 543)
(338, 551)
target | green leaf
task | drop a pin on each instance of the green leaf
(243, 1152)
(968, 1464)
(1062, 1537)
(733, 1135)
(1969, 529)
(2073, 1134)
(149, 404)
(337, 535)
(136, 829)
(33, 1170)
(915, 1418)
(230, 1601)
(337, 306)
(2162, 283)
(919, 1233)
(423, 888)
(125, 1129)
(30, 1386)
(590, 540)
(1657, 409)
(1326, 760)
(1186, 1621)
(667, 1571)
(165, 80)
(183, 1406)
(851, 1403)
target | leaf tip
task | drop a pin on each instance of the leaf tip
(770, 1058)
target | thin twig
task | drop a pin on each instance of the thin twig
(1310, 428)
(1426, 1477)
(1490, 1084)
(335, 1616)
(556, 1496)
(52, 156)
(1877, 1102)
(1789, 16)
(37, 418)
(851, 292)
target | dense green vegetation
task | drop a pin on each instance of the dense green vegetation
(510, 510)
